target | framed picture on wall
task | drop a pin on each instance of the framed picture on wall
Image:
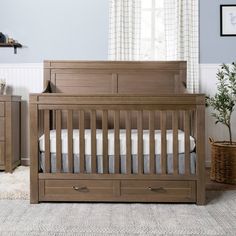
(228, 20)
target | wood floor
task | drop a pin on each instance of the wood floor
(212, 185)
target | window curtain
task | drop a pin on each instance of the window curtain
(182, 37)
(124, 29)
(181, 33)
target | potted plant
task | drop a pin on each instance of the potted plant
(223, 153)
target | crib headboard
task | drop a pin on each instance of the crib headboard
(96, 77)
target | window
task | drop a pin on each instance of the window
(152, 30)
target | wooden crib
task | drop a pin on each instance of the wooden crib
(112, 115)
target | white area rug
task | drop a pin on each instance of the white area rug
(19, 218)
(15, 185)
(218, 217)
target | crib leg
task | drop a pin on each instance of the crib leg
(34, 184)
(33, 199)
(201, 196)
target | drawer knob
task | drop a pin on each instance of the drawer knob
(160, 189)
(80, 189)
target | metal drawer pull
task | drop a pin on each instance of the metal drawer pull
(80, 189)
(160, 189)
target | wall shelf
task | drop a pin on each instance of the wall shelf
(13, 45)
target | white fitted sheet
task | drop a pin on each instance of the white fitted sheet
(134, 137)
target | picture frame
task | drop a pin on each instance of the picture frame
(228, 20)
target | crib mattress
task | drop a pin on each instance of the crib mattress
(111, 137)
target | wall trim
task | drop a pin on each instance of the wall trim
(209, 66)
(21, 65)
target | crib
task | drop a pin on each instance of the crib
(116, 132)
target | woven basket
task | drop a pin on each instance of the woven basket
(223, 162)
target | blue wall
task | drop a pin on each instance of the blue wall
(213, 47)
(78, 29)
(55, 29)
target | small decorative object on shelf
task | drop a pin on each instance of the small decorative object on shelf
(9, 42)
(223, 153)
(2, 38)
(3, 87)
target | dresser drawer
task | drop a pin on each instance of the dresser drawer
(2, 153)
(158, 191)
(2, 128)
(2, 109)
(75, 190)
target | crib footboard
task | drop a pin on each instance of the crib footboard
(122, 148)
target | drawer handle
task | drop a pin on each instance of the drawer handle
(80, 189)
(160, 189)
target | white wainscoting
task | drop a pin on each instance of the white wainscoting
(23, 79)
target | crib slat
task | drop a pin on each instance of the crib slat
(81, 141)
(93, 142)
(105, 140)
(128, 142)
(187, 141)
(117, 141)
(70, 140)
(47, 141)
(140, 141)
(58, 141)
(175, 141)
(163, 143)
(152, 163)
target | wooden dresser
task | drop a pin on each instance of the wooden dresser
(9, 132)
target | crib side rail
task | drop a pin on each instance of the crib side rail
(185, 111)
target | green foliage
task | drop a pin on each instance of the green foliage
(224, 101)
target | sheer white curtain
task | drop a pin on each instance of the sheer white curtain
(179, 35)
(124, 29)
(182, 37)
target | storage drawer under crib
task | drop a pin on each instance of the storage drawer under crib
(75, 190)
(160, 191)
(117, 190)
